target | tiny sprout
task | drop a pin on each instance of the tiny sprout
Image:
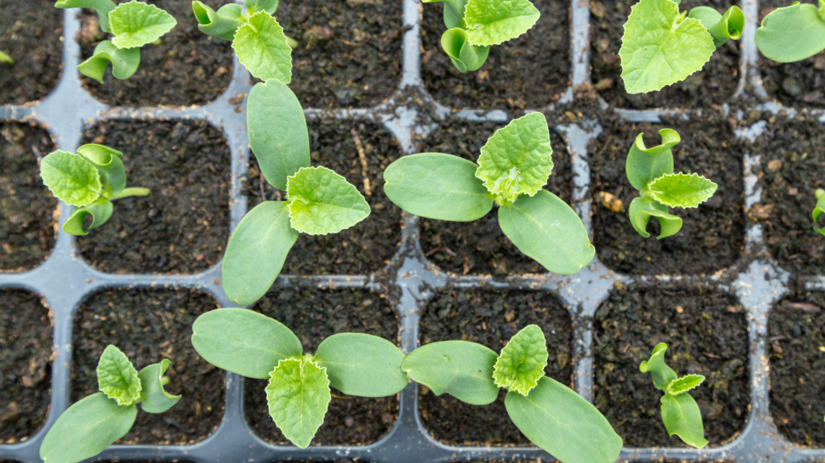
(4, 58)
(792, 33)
(820, 207)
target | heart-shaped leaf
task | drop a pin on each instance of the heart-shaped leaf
(117, 377)
(362, 364)
(323, 202)
(459, 368)
(136, 24)
(298, 396)
(522, 361)
(491, 22)
(263, 48)
(681, 190)
(71, 178)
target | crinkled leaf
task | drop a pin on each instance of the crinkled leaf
(465, 56)
(659, 50)
(298, 395)
(323, 202)
(101, 7)
(491, 22)
(71, 178)
(684, 384)
(108, 163)
(155, 398)
(681, 190)
(642, 209)
(644, 164)
(263, 48)
(135, 24)
(459, 368)
(722, 27)
(792, 33)
(522, 361)
(101, 210)
(362, 364)
(820, 207)
(125, 62)
(658, 369)
(254, 6)
(681, 416)
(223, 23)
(117, 377)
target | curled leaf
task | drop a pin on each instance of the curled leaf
(820, 207)
(71, 178)
(101, 210)
(642, 209)
(465, 56)
(136, 24)
(117, 377)
(125, 62)
(644, 164)
(522, 361)
(681, 190)
(223, 23)
(298, 395)
(684, 384)
(491, 22)
(323, 202)
(661, 373)
(722, 27)
(792, 33)
(108, 164)
(263, 48)
(155, 398)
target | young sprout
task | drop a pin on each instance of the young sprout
(820, 207)
(475, 25)
(133, 25)
(680, 413)
(256, 346)
(650, 170)
(513, 167)
(792, 33)
(91, 425)
(550, 414)
(4, 58)
(88, 181)
(661, 46)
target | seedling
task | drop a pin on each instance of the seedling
(91, 425)
(4, 58)
(256, 346)
(513, 167)
(820, 207)
(650, 170)
(792, 33)
(88, 181)
(661, 46)
(680, 413)
(473, 26)
(550, 414)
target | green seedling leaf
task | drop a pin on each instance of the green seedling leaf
(277, 131)
(125, 62)
(117, 377)
(546, 229)
(298, 395)
(87, 428)
(721, 27)
(681, 416)
(684, 384)
(820, 207)
(256, 252)
(323, 202)
(254, 6)
(223, 23)
(362, 365)
(465, 56)
(4, 58)
(101, 210)
(517, 158)
(491, 22)
(644, 165)
(681, 190)
(263, 48)
(642, 209)
(561, 422)
(136, 24)
(108, 164)
(522, 361)
(243, 342)
(660, 47)
(101, 7)
(453, 12)
(792, 33)
(459, 368)
(71, 178)
(661, 373)
(437, 186)
(155, 398)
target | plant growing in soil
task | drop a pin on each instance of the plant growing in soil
(792, 33)
(650, 170)
(661, 46)
(133, 25)
(820, 207)
(550, 414)
(680, 413)
(4, 58)
(256, 346)
(88, 181)
(91, 425)
(513, 167)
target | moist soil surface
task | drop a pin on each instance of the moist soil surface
(183, 226)
(480, 247)
(25, 361)
(30, 32)
(706, 333)
(149, 326)
(714, 84)
(27, 210)
(314, 315)
(490, 318)
(187, 68)
(712, 236)
(369, 245)
(528, 72)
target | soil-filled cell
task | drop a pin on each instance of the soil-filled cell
(27, 209)
(149, 326)
(25, 363)
(490, 318)
(344, 147)
(707, 334)
(314, 315)
(183, 226)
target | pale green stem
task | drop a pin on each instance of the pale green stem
(819, 192)
(164, 380)
(134, 191)
(293, 44)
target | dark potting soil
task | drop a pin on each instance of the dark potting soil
(187, 68)
(369, 245)
(183, 226)
(313, 315)
(31, 33)
(27, 209)
(480, 247)
(714, 84)
(706, 333)
(528, 72)
(712, 236)
(490, 318)
(25, 361)
(149, 326)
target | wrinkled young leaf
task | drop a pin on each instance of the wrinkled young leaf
(459, 368)
(155, 398)
(108, 163)
(562, 423)
(644, 164)
(243, 342)
(658, 369)
(465, 56)
(101, 7)
(254, 6)
(125, 62)
(517, 159)
(684, 384)
(437, 186)
(681, 190)
(721, 27)
(642, 209)
(298, 395)
(491, 22)
(792, 33)
(101, 210)
(87, 428)
(681, 416)
(71, 178)
(522, 361)
(136, 24)
(263, 48)
(362, 364)
(117, 377)
(223, 23)
(820, 207)
(323, 202)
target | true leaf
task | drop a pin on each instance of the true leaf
(684, 384)
(135, 24)
(155, 398)
(681, 416)
(263, 48)
(644, 164)
(362, 365)
(465, 56)
(254, 6)
(125, 62)
(522, 361)
(101, 210)
(223, 23)
(642, 209)
(71, 178)
(298, 395)
(681, 190)
(658, 369)
(818, 209)
(323, 202)
(721, 27)
(459, 368)
(792, 33)
(108, 163)
(491, 22)
(101, 7)
(243, 342)
(117, 377)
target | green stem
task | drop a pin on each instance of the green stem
(819, 192)
(164, 380)
(293, 44)
(134, 191)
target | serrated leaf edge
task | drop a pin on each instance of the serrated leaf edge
(109, 15)
(97, 175)
(511, 38)
(302, 360)
(250, 25)
(107, 390)
(669, 390)
(289, 209)
(678, 174)
(507, 385)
